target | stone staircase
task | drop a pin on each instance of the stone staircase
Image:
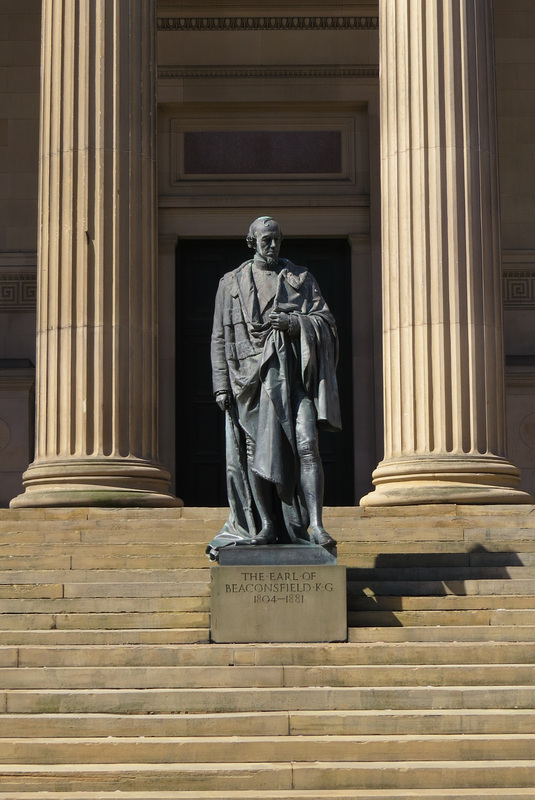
(109, 687)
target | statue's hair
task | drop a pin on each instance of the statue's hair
(251, 236)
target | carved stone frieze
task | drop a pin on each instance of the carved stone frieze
(18, 292)
(519, 289)
(351, 71)
(268, 23)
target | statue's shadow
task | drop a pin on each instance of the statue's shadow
(385, 587)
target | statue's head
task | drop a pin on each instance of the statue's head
(265, 237)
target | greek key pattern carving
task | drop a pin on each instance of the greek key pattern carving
(268, 23)
(519, 289)
(268, 72)
(18, 292)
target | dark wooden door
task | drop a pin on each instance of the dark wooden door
(200, 427)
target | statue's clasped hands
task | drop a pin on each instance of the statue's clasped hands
(280, 321)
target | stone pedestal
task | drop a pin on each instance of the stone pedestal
(96, 382)
(443, 349)
(303, 555)
(278, 603)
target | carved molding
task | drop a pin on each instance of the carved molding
(18, 292)
(351, 71)
(519, 380)
(267, 23)
(518, 279)
(18, 260)
(519, 289)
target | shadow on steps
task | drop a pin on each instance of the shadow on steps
(386, 593)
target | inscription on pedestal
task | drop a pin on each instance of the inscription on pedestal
(278, 604)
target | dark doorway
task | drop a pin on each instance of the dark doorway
(200, 435)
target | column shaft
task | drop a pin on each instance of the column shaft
(96, 416)
(442, 330)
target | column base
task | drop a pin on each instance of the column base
(457, 479)
(100, 481)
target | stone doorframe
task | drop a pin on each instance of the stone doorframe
(364, 278)
(303, 209)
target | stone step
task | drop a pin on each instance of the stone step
(100, 725)
(286, 776)
(139, 589)
(105, 550)
(44, 515)
(276, 723)
(438, 588)
(428, 556)
(444, 633)
(373, 654)
(109, 521)
(70, 576)
(144, 605)
(30, 590)
(181, 619)
(177, 535)
(181, 588)
(497, 617)
(462, 532)
(161, 561)
(350, 527)
(440, 668)
(471, 533)
(445, 573)
(78, 561)
(356, 577)
(440, 511)
(184, 677)
(229, 700)
(274, 749)
(440, 554)
(200, 620)
(106, 605)
(104, 637)
(440, 514)
(419, 603)
(398, 555)
(410, 567)
(287, 794)
(275, 676)
(93, 513)
(197, 533)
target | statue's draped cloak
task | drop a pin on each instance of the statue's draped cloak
(263, 370)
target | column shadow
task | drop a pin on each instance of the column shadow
(399, 575)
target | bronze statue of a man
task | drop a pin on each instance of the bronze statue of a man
(274, 356)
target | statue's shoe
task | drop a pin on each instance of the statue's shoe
(322, 538)
(265, 537)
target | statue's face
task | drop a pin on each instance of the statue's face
(268, 241)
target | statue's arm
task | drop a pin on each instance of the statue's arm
(220, 374)
(318, 306)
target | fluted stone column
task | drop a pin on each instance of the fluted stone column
(443, 350)
(96, 437)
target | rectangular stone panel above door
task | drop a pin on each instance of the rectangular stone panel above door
(276, 151)
(265, 147)
(267, 153)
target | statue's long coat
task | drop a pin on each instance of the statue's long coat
(260, 368)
